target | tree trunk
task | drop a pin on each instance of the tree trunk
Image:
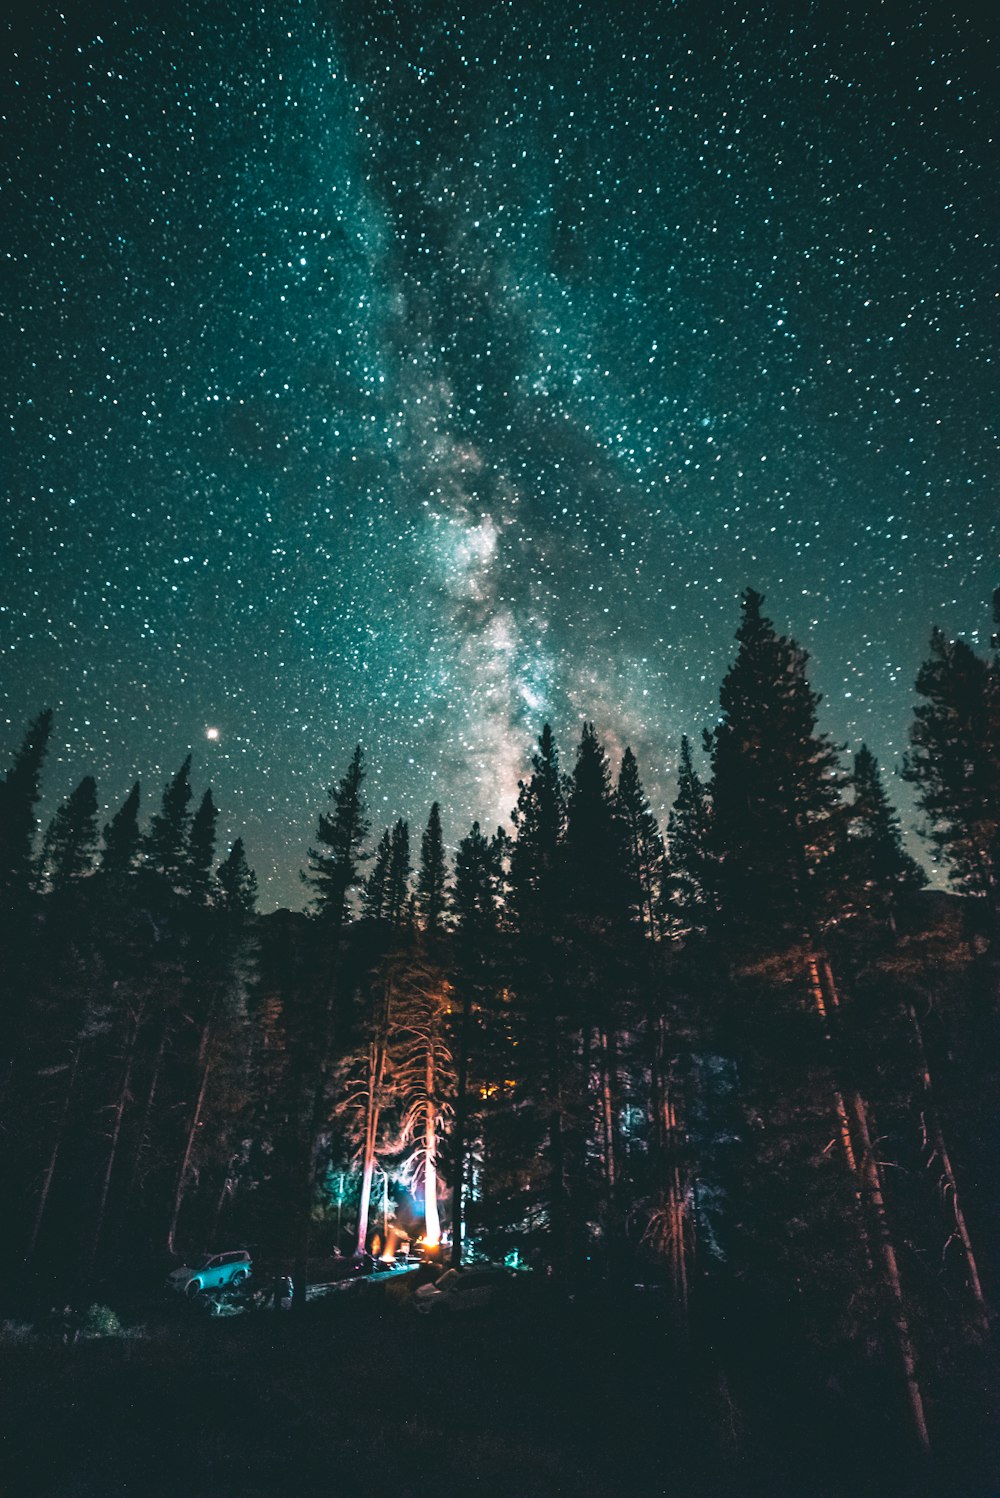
(432, 1224)
(227, 1190)
(182, 1174)
(376, 1075)
(936, 1141)
(608, 1114)
(822, 988)
(120, 1106)
(676, 1207)
(147, 1112)
(876, 1198)
(854, 1112)
(461, 1110)
(376, 1071)
(557, 1160)
(43, 1195)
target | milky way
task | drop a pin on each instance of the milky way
(416, 373)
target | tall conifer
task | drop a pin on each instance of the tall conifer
(19, 792)
(166, 841)
(475, 898)
(335, 864)
(397, 881)
(955, 762)
(71, 839)
(433, 875)
(595, 874)
(643, 851)
(776, 808)
(540, 822)
(122, 838)
(201, 849)
(689, 886)
(374, 892)
(236, 884)
(878, 870)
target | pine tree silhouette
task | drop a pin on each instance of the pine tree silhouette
(122, 838)
(167, 840)
(432, 877)
(71, 839)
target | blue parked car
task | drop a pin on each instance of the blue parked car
(212, 1272)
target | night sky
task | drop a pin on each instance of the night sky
(418, 372)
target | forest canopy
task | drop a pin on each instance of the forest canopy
(748, 1057)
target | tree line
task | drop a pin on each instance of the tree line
(749, 1057)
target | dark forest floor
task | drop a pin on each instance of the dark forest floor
(359, 1395)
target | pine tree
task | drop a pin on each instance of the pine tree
(776, 808)
(373, 895)
(540, 822)
(597, 954)
(227, 969)
(475, 899)
(594, 851)
(955, 763)
(475, 894)
(335, 866)
(777, 824)
(386, 894)
(423, 1076)
(689, 884)
(334, 872)
(643, 844)
(167, 839)
(201, 849)
(236, 885)
(433, 875)
(71, 839)
(549, 1075)
(19, 792)
(397, 880)
(365, 1090)
(878, 870)
(122, 838)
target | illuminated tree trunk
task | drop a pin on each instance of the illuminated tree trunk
(432, 1223)
(368, 1149)
(423, 1076)
(936, 1142)
(816, 988)
(50, 1169)
(376, 1077)
(607, 1113)
(671, 1229)
(676, 1208)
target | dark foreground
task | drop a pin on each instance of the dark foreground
(360, 1395)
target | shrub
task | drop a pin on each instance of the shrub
(100, 1321)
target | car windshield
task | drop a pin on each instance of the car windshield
(204, 1261)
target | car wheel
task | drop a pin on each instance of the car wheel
(238, 1278)
(194, 1286)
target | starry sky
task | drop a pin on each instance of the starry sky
(416, 372)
